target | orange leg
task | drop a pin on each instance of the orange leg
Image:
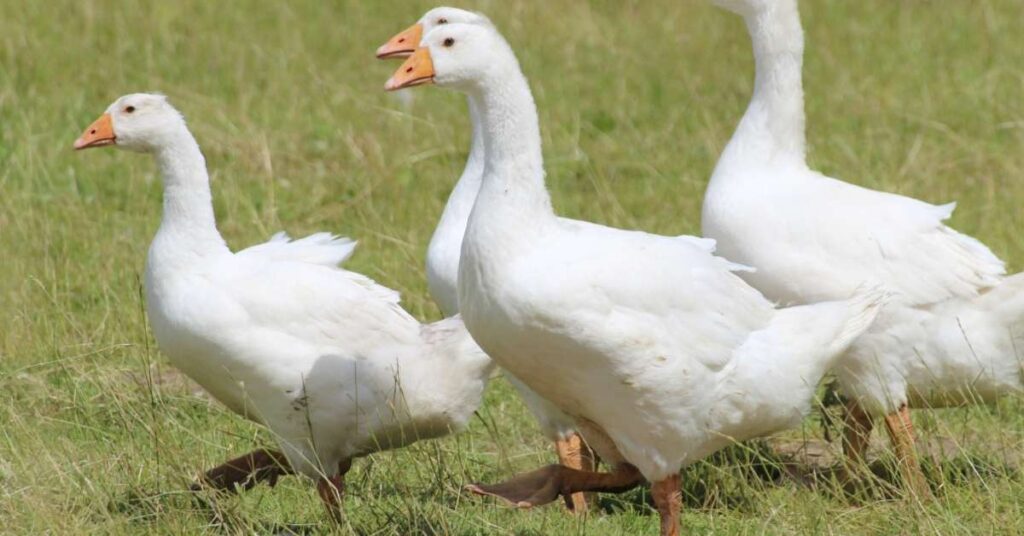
(246, 471)
(901, 433)
(667, 498)
(547, 484)
(574, 453)
(331, 490)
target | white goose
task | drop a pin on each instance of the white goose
(445, 247)
(657, 349)
(946, 337)
(324, 357)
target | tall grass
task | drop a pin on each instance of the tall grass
(99, 435)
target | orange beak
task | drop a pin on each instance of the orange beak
(416, 71)
(403, 44)
(98, 134)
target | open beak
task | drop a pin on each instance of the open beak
(98, 134)
(402, 44)
(416, 71)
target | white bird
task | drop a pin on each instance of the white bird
(948, 334)
(445, 247)
(327, 359)
(651, 343)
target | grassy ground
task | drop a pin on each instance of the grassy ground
(99, 435)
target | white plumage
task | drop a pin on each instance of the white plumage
(652, 343)
(445, 248)
(951, 325)
(324, 357)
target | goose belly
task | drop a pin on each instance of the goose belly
(280, 390)
(658, 420)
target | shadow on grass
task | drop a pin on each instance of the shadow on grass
(733, 479)
(819, 466)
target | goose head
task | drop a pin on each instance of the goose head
(459, 56)
(403, 44)
(140, 122)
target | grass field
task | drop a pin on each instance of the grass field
(99, 435)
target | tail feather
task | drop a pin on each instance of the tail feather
(450, 339)
(817, 334)
(863, 308)
(1005, 300)
(457, 371)
(782, 364)
(319, 248)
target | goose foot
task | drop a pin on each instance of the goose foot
(261, 465)
(574, 453)
(668, 497)
(547, 484)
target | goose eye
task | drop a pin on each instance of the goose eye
(449, 42)
(442, 21)
(129, 109)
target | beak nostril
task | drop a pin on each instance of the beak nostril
(93, 131)
(402, 40)
(409, 70)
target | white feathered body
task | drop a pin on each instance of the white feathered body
(951, 326)
(950, 331)
(326, 358)
(651, 343)
(652, 339)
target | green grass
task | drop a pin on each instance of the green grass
(637, 98)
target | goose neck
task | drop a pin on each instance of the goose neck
(776, 111)
(188, 217)
(475, 161)
(513, 175)
(460, 202)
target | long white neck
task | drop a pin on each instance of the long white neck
(188, 230)
(773, 124)
(460, 202)
(473, 172)
(513, 202)
(445, 247)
